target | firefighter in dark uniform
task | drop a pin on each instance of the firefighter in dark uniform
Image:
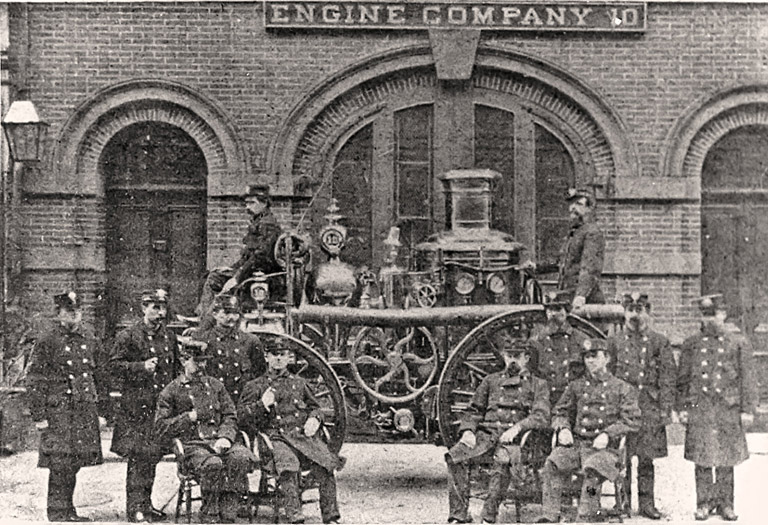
(581, 262)
(144, 361)
(643, 358)
(197, 410)
(63, 397)
(504, 407)
(236, 357)
(282, 406)
(257, 253)
(558, 346)
(606, 409)
(717, 399)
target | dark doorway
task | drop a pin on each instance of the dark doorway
(155, 182)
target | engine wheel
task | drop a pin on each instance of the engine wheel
(476, 356)
(394, 366)
(323, 382)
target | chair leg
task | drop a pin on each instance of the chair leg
(188, 495)
(179, 501)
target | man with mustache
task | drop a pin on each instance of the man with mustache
(144, 361)
(505, 405)
(643, 358)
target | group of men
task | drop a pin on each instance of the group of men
(594, 394)
(201, 391)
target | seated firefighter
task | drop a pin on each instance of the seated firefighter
(604, 409)
(506, 404)
(281, 405)
(197, 410)
(257, 253)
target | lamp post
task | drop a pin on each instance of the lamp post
(24, 132)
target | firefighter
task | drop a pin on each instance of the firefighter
(257, 253)
(143, 362)
(235, 357)
(643, 358)
(196, 409)
(505, 405)
(717, 399)
(281, 405)
(581, 262)
(606, 409)
(63, 399)
(558, 346)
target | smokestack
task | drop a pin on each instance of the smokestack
(468, 200)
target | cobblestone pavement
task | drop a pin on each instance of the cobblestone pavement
(380, 484)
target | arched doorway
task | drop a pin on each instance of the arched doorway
(383, 168)
(155, 184)
(734, 217)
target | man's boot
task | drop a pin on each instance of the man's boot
(645, 494)
(229, 504)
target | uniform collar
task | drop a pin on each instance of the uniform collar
(185, 379)
(150, 329)
(282, 373)
(604, 376)
(224, 330)
(514, 380)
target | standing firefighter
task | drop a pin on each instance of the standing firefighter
(605, 408)
(63, 402)
(506, 404)
(581, 262)
(143, 361)
(558, 347)
(717, 398)
(236, 357)
(196, 409)
(282, 406)
(643, 358)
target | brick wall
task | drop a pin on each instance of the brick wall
(689, 52)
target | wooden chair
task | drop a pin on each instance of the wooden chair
(187, 482)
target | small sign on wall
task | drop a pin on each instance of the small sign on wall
(494, 15)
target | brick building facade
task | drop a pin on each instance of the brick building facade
(661, 121)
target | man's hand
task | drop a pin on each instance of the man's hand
(268, 398)
(469, 439)
(565, 437)
(510, 434)
(231, 283)
(683, 417)
(221, 445)
(579, 301)
(102, 422)
(747, 419)
(150, 365)
(311, 426)
(192, 415)
(601, 441)
(41, 425)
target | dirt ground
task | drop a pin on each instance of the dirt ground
(380, 484)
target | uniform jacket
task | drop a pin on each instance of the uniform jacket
(258, 246)
(236, 357)
(216, 413)
(581, 261)
(645, 361)
(499, 403)
(295, 403)
(598, 405)
(559, 357)
(139, 388)
(62, 390)
(715, 384)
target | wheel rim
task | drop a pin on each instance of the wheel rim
(323, 382)
(475, 357)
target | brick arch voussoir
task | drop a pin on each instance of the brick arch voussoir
(84, 136)
(296, 151)
(708, 121)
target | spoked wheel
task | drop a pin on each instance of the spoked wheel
(394, 365)
(323, 382)
(477, 356)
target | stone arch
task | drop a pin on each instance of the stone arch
(94, 123)
(705, 123)
(303, 136)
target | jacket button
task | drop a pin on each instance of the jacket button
(71, 376)
(69, 391)
(704, 363)
(69, 363)
(68, 349)
(279, 418)
(704, 375)
(704, 388)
